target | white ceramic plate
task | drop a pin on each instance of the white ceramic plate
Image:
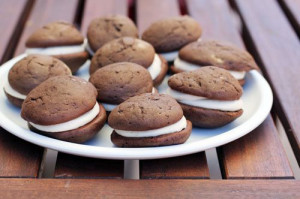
(257, 100)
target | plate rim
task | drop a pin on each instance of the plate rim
(127, 153)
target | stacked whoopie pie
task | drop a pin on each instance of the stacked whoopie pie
(205, 91)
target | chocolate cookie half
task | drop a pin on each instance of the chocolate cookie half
(64, 107)
(210, 96)
(117, 82)
(169, 35)
(61, 40)
(104, 29)
(214, 53)
(129, 49)
(149, 120)
(28, 73)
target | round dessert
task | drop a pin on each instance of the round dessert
(210, 96)
(104, 29)
(128, 49)
(61, 40)
(65, 108)
(214, 53)
(149, 120)
(117, 82)
(28, 73)
(169, 35)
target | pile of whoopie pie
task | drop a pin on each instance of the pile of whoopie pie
(205, 86)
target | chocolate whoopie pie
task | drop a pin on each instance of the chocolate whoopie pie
(28, 73)
(65, 108)
(210, 96)
(149, 120)
(61, 40)
(169, 35)
(104, 29)
(214, 53)
(117, 82)
(128, 49)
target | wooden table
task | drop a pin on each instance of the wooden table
(264, 163)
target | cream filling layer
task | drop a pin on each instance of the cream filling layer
(13, 92)
(186, 66)
(202, 102)
(155, 68)
(72, 124)
(170, 56)
(58, 50)
(89, 49)
(173, 128)
(110, 107)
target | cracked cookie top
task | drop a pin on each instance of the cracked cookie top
(217, 53)
(104, 29)
(125, 49)
(32, 70)
(172, 33)
(117, 82)
(210, 82)
(55, 34)
(145, 112)
(59, 99)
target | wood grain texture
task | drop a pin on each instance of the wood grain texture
(15, 11)
(44, 12)
(292, 9)
(279, 51)
(99, 8)
(69, 166)
(150, 11)
(259, 154)
(96, 188)
(17, 157)
(189, 166)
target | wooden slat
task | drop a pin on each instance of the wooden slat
(193, 166)
(44, 12)
(292, 9)
(279, 50)
(17, 158)
(259, 154)
(99, 8)
(15, 11)
(69, 166)
(150, 11)
(190, 166)
(95, 188)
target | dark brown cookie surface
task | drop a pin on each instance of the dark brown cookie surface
(173, 33)
(209, 118)
(210, 82)
(105, 29)
(32, 70)
(117, 82)
(125, 49)
(145, 112)
(74, 60)
(80, 134)
(162, 140)
(55, 34)
(59, 99)
(217, 53)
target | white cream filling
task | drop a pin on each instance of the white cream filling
(173, 128)
(13, 92)
(72, 124)
(170, 56)
(202, 102)
(186, 66)
(89, 49)
(155, 68)
(58, 50)
(110, 107)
